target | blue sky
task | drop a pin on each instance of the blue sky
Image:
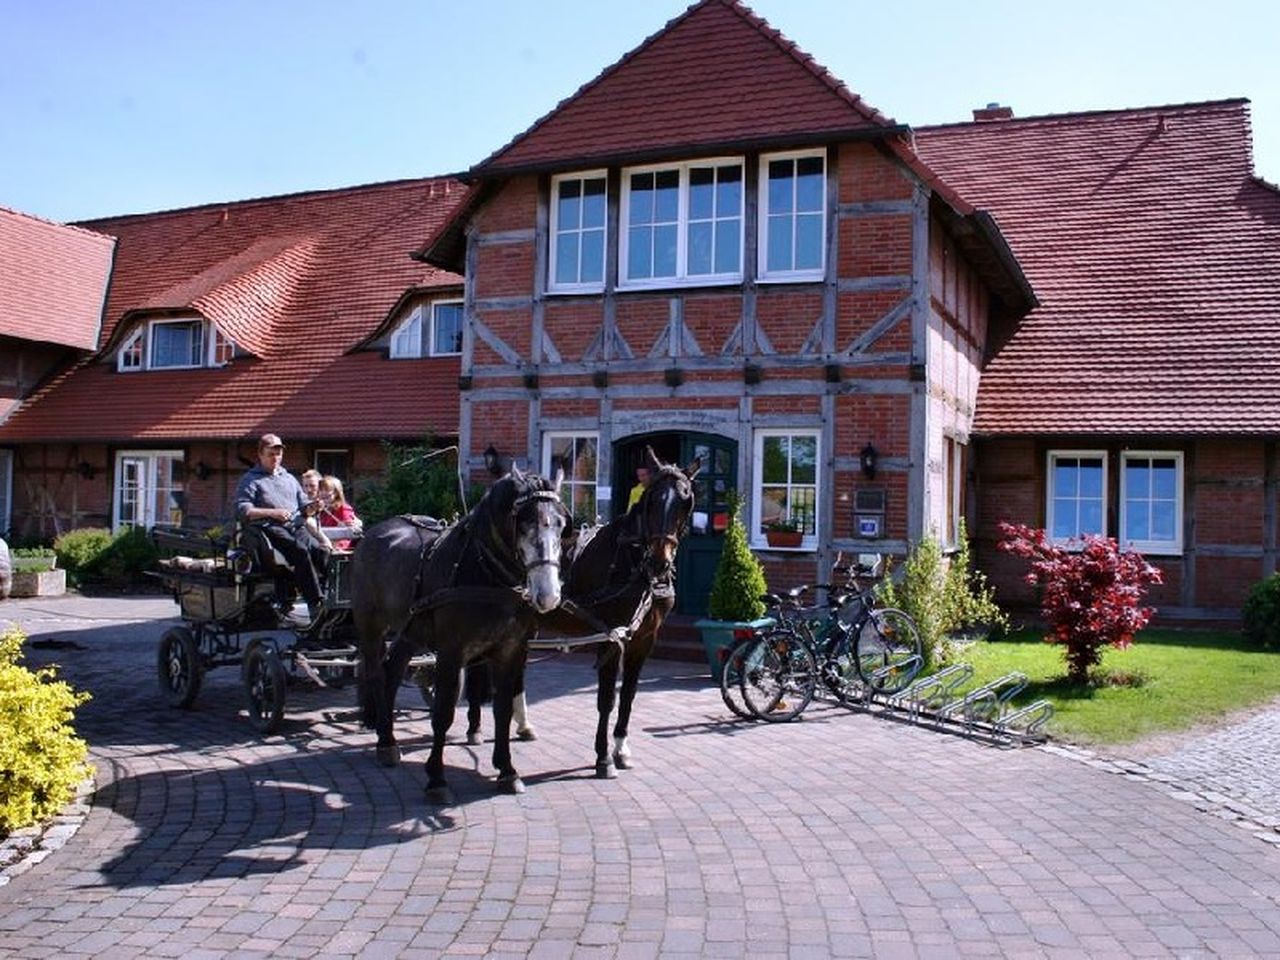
(137, 105)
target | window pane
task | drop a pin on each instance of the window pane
(729, 192)
(567, 258)
(1164, 479)
(1090, 474)
(664, 250)
(592, 256)
(639, 254)
(1064, 519)
(780, 186)
(700, 247)
(810, 184)
(1163, 520)
(1065, 478)
(1138, 478)
(593, 203)
(728, 246)
(779, 243)
(666, 204)
(448, 328)
(803, 512)
(701, 193)
(641, 205)
(808, 242)
(175, 345)
(774, 469)
(804, 459)
(773, 504)
(584, 466)
(569, 212)
(1090, 517)
(1137, 524)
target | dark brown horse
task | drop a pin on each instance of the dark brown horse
(470, 593)
(622, 576)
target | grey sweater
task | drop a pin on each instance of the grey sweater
(277, 489)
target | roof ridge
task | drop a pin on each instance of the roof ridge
(1075, 114)
(301, 195)
(54, 223)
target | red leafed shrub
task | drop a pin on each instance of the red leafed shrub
(1092, 596)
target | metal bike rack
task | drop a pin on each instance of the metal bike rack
(932, 692)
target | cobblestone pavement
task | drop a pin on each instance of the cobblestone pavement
(842, 835)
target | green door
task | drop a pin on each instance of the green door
(700, 551)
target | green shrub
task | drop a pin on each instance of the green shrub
(418, 479)
(130, 554)
(739, 579)
(80, 552)
(42, 761)
(1262, 612)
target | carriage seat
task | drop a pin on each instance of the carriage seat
(262, 553)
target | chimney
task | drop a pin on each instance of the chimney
(992, 111)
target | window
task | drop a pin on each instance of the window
(577, 232)
(793, 204)
(446, 328)
(6, 491)
(175, 345)
(147, 491)
(575, 453)
(1077, 497)
(333, 463)
(682, 224)
(1151, 502)
(407, 341)
(786, 488)
(953, 471)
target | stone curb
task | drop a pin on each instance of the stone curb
(1263, 826)
(23, 849)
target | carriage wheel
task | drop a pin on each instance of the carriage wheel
(265, 682)
(179, 667)
(890, 652)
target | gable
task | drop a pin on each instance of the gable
(714, 77)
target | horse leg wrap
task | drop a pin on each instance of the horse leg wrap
(520, 714)
(621, 753)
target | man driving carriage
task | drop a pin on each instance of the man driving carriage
(269, 497)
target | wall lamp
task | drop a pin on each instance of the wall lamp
(86, 470)
(868, 459)
(493, 460)
(203, 470)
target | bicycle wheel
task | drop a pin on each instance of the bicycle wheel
(889, 651)
(839, 669)
(736, 658)
(779, 677)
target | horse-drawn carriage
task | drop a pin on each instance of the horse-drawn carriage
(235, 598)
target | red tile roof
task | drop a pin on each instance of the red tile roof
(714, 76)
(1155, 254)
(298, 281)
(53, 279)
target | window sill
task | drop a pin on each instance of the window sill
(672, 283)
(592, 291)
(764, 547)
(817, 277)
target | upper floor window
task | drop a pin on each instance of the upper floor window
(415, 337)
(793, 216)
(175, 345)
(682, 224)
(577, 232)
(786, 487)
(1151, 502)
(1077, 497)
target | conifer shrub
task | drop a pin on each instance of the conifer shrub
(739, 579)
(1261, 613)
(42, 761)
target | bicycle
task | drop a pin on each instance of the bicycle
(852, 646)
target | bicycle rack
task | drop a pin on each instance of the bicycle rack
(931, 692)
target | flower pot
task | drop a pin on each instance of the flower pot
(39, 583)
(784, 538)
(719, 635)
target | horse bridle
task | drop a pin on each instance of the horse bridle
(534, 496)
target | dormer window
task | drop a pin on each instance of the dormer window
(183, 344)
(441, 337)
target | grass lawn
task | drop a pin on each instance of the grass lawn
(1167, 680)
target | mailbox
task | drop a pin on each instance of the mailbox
(868, 513)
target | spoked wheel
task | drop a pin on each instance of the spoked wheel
(735, 659)
(778, 677)
(889, 650)
(840, 671)
(265, 683)
(180, 669)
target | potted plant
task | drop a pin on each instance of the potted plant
(734, 606)
(783, 532)
(36, 574)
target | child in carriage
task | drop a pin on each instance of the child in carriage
(335, 511)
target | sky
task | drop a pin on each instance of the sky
(131, 106)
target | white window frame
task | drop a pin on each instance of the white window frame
(6, 490)
(589, 286)
(762, 216)
(197, 322)
(682, 277)
(415, 316)
(217, 348)
(758, 538)
(218, 341)
(149, 487)
(569, 483)
(1159, 547)
(435, 348)
(136, 341)
(955, 455)
(1051, 459)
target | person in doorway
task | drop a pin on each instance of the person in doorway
(270, 496)
(644, 477)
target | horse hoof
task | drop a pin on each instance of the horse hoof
(441, 795)
(512, 784)
(622, 761)
(389, 756)
(606, 771)
(526, 734)
(473, 738)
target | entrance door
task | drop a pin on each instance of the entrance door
(700, 550)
